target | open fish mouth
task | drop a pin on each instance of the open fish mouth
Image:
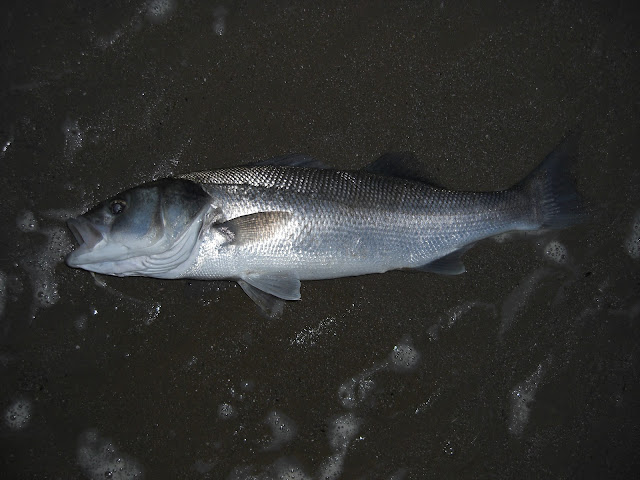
(85, 233)
(94, 251)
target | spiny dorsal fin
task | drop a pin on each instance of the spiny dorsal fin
(291, 160)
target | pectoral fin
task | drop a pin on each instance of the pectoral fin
(269, 305)
(254, 227)
(285, 286)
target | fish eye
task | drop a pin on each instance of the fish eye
(117, 206)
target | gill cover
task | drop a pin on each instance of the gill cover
(147, 230)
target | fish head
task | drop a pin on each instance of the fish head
(139, 231)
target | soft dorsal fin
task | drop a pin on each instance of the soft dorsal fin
(291, 160)
(253, 227)
(400, 165)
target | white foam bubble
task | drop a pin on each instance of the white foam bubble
(107, 41)
(331, 468)
(159, 11)
(632, 242)
(434, 332)
(521, 397)
(247, 385)
(226, 411)
(310, 335)
(80, 323)
(342, 430)
(244, 472)
(556, 252)
(40, 266)
(288, 469)
(518, 297)
(27, 222)
(47, 292)
(153, 314)
(5, 146)
(240, 394)
(283, 430)
(454, 314)
(73, 137)
(448, 448)
(356, 389)
(219, 20)
(18, 414)
(99, 458)
(347, 393)
(404, 357)
(429, 401)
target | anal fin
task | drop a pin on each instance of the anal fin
(450, 264)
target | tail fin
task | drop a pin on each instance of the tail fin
(550, 187)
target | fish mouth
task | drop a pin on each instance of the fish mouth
(84, 232)
(88, 237)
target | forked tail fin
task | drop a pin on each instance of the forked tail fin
(551, 189)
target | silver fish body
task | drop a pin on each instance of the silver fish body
(269, 226)
(319, 224)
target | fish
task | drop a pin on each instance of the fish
(272, 224)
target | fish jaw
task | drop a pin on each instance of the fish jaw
(91, 240)
(94, 252)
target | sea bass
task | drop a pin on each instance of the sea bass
(270, 225)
